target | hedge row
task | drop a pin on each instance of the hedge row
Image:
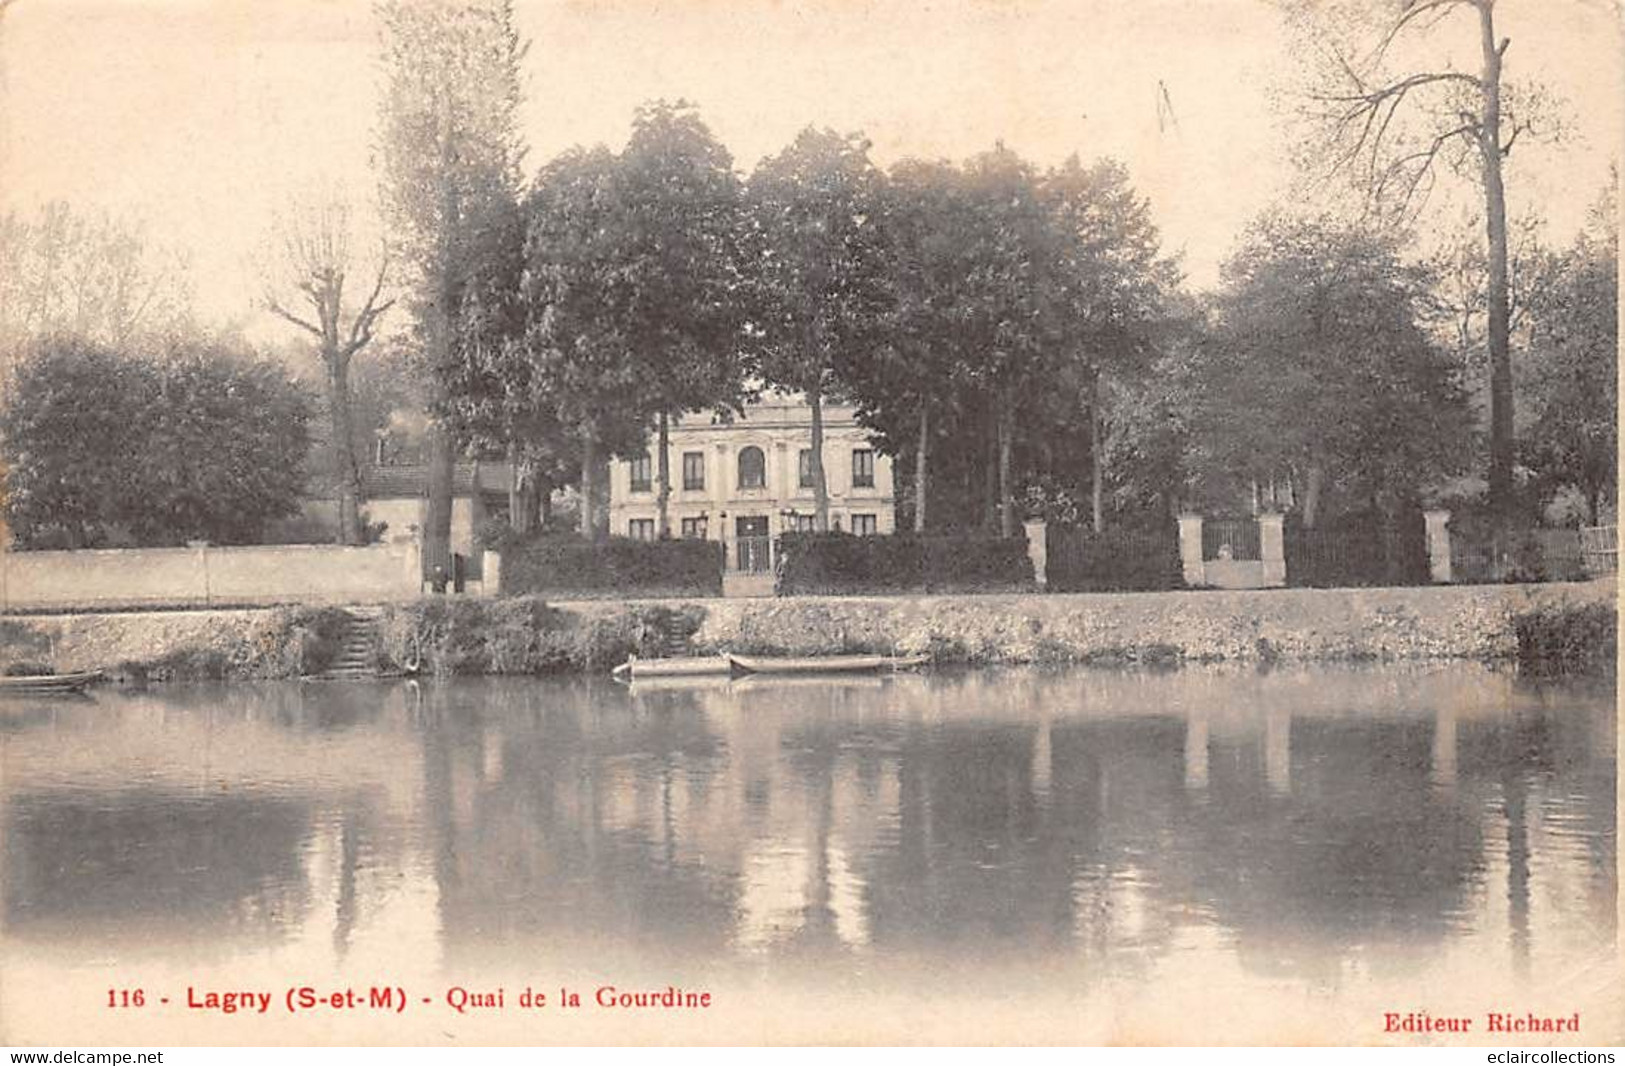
(554, 565)
(1117, 560)
(841, 563)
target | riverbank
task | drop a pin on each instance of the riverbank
(526, 636)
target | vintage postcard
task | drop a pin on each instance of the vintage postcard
(809, 522)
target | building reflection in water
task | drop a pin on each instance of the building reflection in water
(1107, 821)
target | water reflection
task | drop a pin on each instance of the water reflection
(1294, 823)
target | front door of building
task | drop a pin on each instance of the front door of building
(753, 547)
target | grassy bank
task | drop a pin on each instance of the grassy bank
(1563, 626)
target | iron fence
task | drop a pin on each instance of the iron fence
(1359, 552)
(1599, 549)
(1117, 560)
(1521, 555)
(1231, 538)
(753, 555)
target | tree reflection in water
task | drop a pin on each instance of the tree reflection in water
(1026, 820)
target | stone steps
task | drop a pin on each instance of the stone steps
(357, 660)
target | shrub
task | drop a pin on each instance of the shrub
(1567, 637)
(551, 564)
(840, 563)
(519, 636)
(28, 669)
(1116, 560)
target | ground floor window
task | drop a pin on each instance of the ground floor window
(864, 525)
(641, 529)
(803, 523)
(694, 528)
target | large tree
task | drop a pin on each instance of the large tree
(200, 441)
(905, 390)
(450, 155)
(1396, 110)
(1571, 367)
(817, 265)
(1012, 322)
(311, 261)
(94, 276)
(1113, 283)
(678, 220)
(1319, 371)
(575, 364)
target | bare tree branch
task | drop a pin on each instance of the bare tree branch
(281, 312)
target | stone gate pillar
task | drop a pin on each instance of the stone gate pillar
(1272, 549)
(1190, 549)
(1038, 550)
(1438, 526)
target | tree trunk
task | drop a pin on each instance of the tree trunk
(815, 398)
(516, 491)
(1495, 216)
(1311, 495)
(344, 461)
(442, 316)
(1097, 462)
(1007, 498)
(541, 503)
(920, 460)
(990, 474)
(663, 469)
(437, 518)
(589, 474)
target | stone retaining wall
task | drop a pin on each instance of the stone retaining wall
(1440, 622)
(1468, 621)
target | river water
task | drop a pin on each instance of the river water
(1210, 854)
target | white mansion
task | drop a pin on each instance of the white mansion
(746, 481)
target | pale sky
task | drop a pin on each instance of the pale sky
(201, 116)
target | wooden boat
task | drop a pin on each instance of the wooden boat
(825, 664)
(41, 683)
(677, 666)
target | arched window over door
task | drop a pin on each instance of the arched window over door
(752, 468)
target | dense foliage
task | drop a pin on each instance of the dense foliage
(567, 565)
(1570, 382)
(105, 448)
(1316, 372)
(834, 563)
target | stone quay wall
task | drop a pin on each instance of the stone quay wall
(1305, 625)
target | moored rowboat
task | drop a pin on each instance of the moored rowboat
(677, 666)
(38, 683)
(825, 664)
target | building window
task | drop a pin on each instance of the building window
(863, 468)
(805, 479)
(693, 471)
(752, 468)
(640, 473)
(803, 523)
(694, 528)
(641, 528)
(864, 525)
